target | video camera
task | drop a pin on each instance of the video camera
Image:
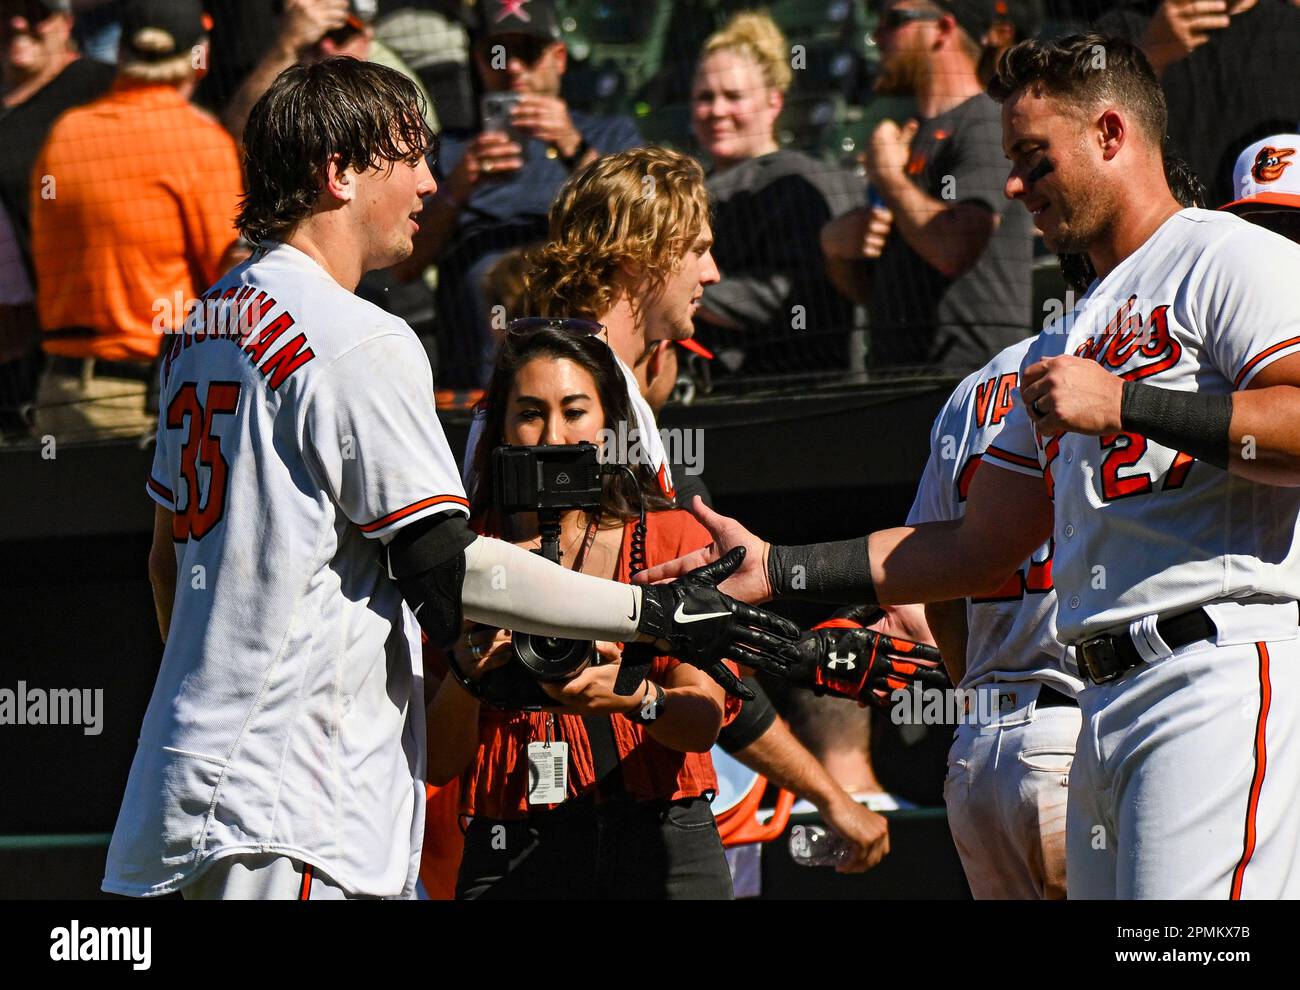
(548, 481)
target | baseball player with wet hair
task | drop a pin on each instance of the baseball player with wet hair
(309, 514)
(1156, 441)
(1005, 789)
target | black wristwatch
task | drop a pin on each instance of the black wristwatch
(646, 712)
(571, 161)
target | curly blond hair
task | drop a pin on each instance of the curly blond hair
(755, 35)
(642, 209)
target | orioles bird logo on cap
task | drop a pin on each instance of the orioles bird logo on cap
(1270, 163)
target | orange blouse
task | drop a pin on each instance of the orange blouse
(495, 785)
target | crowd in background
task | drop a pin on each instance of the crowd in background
(859, 222)
(116, 217)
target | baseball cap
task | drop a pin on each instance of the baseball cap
(975, 17)
(535, 17)
(1025, 15)
(1267, 176)
(182, 20)
(972, 16)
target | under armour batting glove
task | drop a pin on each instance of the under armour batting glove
(702, 626)
(841, 658)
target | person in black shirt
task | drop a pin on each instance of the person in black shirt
(943, 258)
(774, 310)
(1228, 71)
(42, 76)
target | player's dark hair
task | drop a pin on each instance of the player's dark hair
(619, 500)
(1085, 70)
(369, 115)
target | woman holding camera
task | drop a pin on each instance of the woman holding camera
(605, 794)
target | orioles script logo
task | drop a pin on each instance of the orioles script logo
(1126, 337)
(1270, 163)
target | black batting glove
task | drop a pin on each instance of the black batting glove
(841, 658)
(702, 626)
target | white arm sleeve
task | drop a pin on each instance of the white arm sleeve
(510, 588)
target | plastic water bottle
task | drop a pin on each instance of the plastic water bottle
(812, 845)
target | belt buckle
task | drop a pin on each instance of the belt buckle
(1105, 666)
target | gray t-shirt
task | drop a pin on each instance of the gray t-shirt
(921, 317)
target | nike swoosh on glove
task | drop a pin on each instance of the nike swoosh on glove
(702, 626)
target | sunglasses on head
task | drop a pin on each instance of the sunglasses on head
(526, 325)
(895, 17)
(527, 48)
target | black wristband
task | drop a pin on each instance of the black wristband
(657, 706)
(826, 572)
(1188, 421)
(754, 719)
(571, 161)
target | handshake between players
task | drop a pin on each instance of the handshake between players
(688, 617)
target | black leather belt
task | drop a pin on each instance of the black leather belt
(1104, 658)
(76, 367)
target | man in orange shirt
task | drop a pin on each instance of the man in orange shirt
(133, 203)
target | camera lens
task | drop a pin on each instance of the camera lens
(549, 658)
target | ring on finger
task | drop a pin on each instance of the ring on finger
(487, 166)
(1034, 406)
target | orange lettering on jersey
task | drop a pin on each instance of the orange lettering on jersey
(983, 393)
(1125, 450)
(1035, 580)
(173, 349)
(250, 316)
(286, 360)
(216, 318)
(1038, 580)
(1125, 337)
(257, 350)
(966, 475)
(1050, 453)
(1178, 471)
(1006, 385)
(1158, 338)
(1160, 344)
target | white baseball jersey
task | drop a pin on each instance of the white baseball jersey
(1203, 306)
(297, 432)
(648, 434)
(1012, 633)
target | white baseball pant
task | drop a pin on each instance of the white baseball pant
(1188, 769)
(1006, 794)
